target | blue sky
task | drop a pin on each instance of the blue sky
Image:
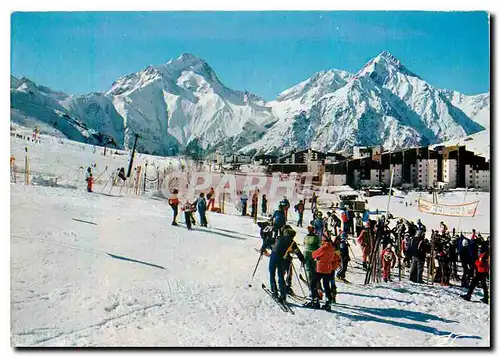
(262, 52)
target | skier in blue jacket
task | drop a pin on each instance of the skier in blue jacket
(278, 220)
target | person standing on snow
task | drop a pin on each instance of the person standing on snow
(90, 179)
(286, 206)
(314, 202)
(211, 198)
(311, 243)
(465, 259)
(344, 254)
(188, 209)
(318, 224)
(255, 199)
(345, 220)
(202, 207)
(350, 217)
(365, 242)
(244, 199)
(173, 201)
(327, 263)
(388, 259)
(299, 208)
(278, 221)
(278, 261)
(264, 204)
(482, 265)
(418, 253)
(359, 224)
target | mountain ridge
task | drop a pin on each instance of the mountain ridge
(183, 100)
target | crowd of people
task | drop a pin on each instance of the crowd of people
(325, 257)
(325, 252)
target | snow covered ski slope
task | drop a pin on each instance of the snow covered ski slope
(100, 269)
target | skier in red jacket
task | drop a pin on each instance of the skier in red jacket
(482, 271)
(388, 259)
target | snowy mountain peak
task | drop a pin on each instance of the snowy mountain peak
(319, 84)
(385, 65)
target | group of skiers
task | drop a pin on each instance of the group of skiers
(416, 251)
(325, 255)
(199, 205)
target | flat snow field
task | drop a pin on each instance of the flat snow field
(99, 269)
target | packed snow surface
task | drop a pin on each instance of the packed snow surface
(108, 269)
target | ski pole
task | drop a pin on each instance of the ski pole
(297, 276)
(256, 265)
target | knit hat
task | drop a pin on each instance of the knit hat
(310, 229)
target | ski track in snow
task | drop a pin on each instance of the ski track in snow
(132, 279)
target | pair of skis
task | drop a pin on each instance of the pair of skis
(283, 305)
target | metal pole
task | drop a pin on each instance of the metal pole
(132, 156)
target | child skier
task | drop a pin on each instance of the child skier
(89, 178)
(188, 209)
(388, 259)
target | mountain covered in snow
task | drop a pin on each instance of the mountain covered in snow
(384, 103)
(182, 105)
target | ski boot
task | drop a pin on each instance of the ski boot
(175, 224)
(314, 304)
(326, 306)
(465, 297)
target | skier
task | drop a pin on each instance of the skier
(359, 224)
(244, 199)
(314, 202)
(90, 179)
(211, 198)
(202, 207)
(365, 241)
(318, 224)
(418, 252)
(311, 243)
(465, 259)
(278, 262)
(327, 262)
(264, 204)
(255, 199)
(266, 233)
(482, 271)
(388, 259)
(278, 221)
(286, 206)
(345, 220)
(188, 209)
(350, 218)
(299, 208)
(173, 201)
(344, 254)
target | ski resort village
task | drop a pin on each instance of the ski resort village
(352, 210)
